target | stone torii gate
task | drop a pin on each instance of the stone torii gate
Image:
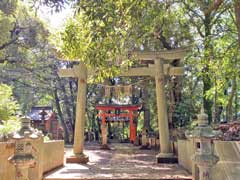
(79, 72)
(158, 70)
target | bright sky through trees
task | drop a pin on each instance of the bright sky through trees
(56, 20)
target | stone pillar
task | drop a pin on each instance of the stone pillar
(165, 147)
(104, 132)
(144, 139)
(78, 145)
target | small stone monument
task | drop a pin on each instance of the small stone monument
(43, 113)
(202, 137)
(145, 143)
(23, 158)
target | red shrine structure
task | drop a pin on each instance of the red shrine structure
(118, 113)
(45, 119)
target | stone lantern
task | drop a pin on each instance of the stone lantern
(23, 158)
(43, 113)
(202, 137)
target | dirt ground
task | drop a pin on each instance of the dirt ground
(123, 161)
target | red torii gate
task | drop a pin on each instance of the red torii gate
(110, 111)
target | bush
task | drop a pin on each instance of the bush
(8, 106)
(8, 110)
(7, 128)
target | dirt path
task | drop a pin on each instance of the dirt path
(124, 161)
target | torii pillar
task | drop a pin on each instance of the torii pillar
(158, 71)
(80, 72)
(165, 155)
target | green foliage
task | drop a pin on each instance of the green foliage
(46, 138)
(20, 31)
(8, 127)
(8, 6)
(44, 101)
(107, 31)
(183, 113)
(8, 106)
(7, 12)
(6, 23)
(102, 35)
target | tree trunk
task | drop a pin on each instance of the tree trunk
(229, 114)
(207, 83)
(73, 101)
(175, 98)
(146, 122)
(60, 114)
(172, 104)
(67, 105)
(215, 106)
(237, 15)
(236, 102)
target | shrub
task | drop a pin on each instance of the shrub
(8, 110)
(7, 128)
(8, 106)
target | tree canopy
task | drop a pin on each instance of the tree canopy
(103, 34)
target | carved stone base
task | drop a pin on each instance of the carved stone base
(167, 158)
(105, 147)
(78, 158)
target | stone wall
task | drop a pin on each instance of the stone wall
(49, 156)
(229, 165)
(228, 151)
(7, 170)
(53, 155)
(185, 152)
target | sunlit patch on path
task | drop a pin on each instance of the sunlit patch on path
(124, 161)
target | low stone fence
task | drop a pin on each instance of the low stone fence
(7, 170)
(53, 155)
(49, 155)
(228, 152)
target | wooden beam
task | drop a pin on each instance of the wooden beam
(165, 54)
(66, 73)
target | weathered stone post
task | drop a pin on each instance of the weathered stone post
(165, 155)
(80, 72)
(202, 139)
(78, 145)
(23, 158)
(144, 139)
